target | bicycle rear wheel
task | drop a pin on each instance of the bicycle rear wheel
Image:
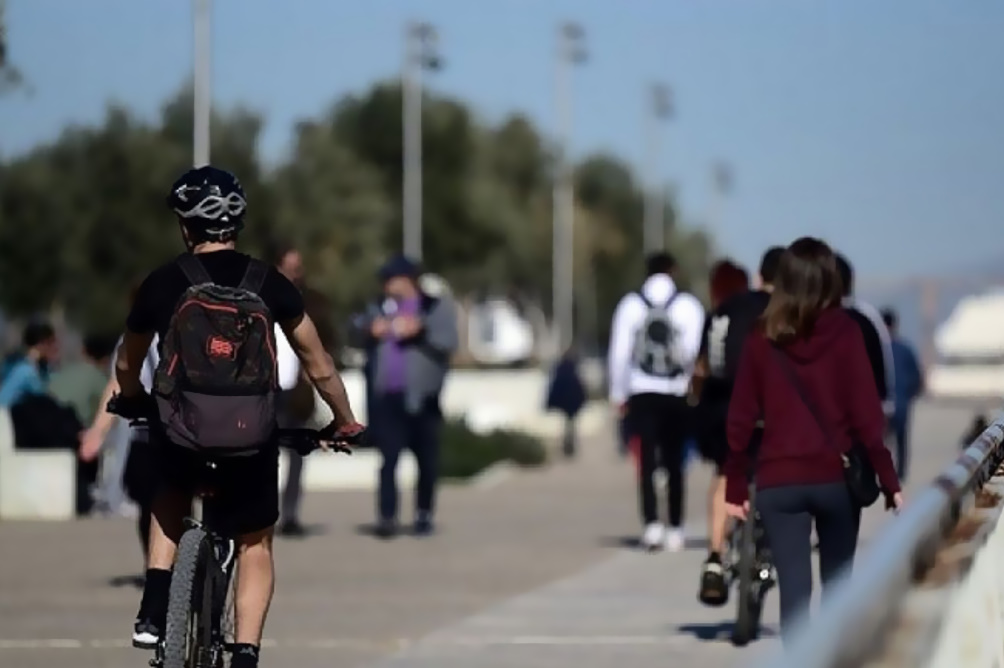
(188, 638)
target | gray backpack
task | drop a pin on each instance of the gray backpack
(654, 346)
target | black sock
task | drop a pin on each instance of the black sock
(156, 592)
(244, 656)
(714, 558)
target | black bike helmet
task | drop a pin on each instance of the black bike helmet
(209, 201)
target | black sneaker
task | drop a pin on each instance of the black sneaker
(714, 588)
(145, 634)
(292, 529)
(386, 529)
(423, 526)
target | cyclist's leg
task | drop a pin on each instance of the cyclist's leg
(171, 503)
(247, 506)
(255, 585)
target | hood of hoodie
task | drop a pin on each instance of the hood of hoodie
(833, 323)
(658, 288)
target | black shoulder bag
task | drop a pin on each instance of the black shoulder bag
(859, 474)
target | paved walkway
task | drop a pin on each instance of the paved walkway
(536, 570)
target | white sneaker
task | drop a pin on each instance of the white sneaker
(654, 537)
(675, 540)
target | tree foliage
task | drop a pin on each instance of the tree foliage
(83, 218)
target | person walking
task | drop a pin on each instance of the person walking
(566, 394)
(736, 311)
(80, 385)
(878, 342)
(909, 386)
(133, 456)
(410, 338)
(805, 374)
(654, 341)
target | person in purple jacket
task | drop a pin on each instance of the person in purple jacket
(410, 337)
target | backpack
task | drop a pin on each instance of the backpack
(217, 380)
(654, 347)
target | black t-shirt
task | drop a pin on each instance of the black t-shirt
(725, 332)
(873, 346)
(159, 294)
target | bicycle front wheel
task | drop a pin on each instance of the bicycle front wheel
(188, 637)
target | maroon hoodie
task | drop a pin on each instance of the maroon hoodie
(832, 366)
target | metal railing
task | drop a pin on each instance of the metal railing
(854, 620)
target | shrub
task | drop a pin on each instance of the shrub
(465, 453)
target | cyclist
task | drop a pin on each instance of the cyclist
(725, 334)
(210, 205)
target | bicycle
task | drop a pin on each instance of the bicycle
(200, 613)
(749, 564)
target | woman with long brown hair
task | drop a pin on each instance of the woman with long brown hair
(805, 373)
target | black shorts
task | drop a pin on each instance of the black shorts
(244, 489)
(712, 441)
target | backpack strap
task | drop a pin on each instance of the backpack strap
(641, 295)
(650, 305)
(254, 277)
(192, 267)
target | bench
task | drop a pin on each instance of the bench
(35, 484)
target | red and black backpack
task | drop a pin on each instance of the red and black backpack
(217, 380)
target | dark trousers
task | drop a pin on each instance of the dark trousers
(568, 439)
(397, 429)
(900, 425)
(139, 478)
(661, 422)
(293, 491)
(788, 513)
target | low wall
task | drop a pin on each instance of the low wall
(505, 399)
(39, 485)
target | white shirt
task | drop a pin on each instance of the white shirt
(287, 361)
(146, 374)
(687, 316)
(873, 315)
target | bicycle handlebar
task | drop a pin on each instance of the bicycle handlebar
(139, 411)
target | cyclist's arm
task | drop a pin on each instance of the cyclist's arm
(319, 366)
(129, 362)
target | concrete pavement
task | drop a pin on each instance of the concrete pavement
(535, 570)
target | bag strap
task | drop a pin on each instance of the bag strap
(789, 372)
(254, 277)
(193, 269)
(650, 305)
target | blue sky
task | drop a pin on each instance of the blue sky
(877, 125)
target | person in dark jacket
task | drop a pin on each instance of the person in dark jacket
(909, 386)
(567, 394)
(805, 337)
(410, 337)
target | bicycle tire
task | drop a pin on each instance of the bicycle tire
(183, 637)
(750, 604)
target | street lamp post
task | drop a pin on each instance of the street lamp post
(419, 54)
(658, 108)
(721, 186)
(202, 89)
(571, 51)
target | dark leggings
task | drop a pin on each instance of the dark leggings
(788, 513)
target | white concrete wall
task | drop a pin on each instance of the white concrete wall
(38, 485)
(35, 485)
